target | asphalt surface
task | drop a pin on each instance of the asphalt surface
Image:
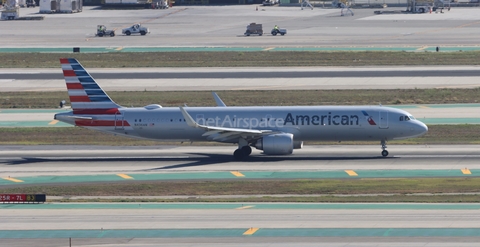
(224, 26)
(27, 161)
(253, 75)
(213, 226)
(233, 224)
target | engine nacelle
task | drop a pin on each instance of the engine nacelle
(276, 144)
(297, 145)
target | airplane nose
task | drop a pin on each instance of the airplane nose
(421, 128)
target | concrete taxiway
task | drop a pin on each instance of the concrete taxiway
(224, 26)
(201, 79)
(234, 224)
(240, 224)
(21, 161)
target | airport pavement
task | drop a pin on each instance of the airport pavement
(199, 26)
(50, 164)
(235, 224)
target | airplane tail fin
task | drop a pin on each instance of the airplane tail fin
(86, 96)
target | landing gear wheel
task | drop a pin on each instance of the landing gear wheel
(247, 150)
(239, 154)
(384, 148)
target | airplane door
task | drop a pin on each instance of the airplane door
(383, 118)
(119, 121)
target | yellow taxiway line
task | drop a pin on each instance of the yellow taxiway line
(125, 176)
(351, 173)
(466, 171)
(237, 174)
(14, 180)
(251, 231)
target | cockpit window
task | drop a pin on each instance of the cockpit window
(406, 118)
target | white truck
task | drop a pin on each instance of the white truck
(137, 28)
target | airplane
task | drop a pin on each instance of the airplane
(276, 130)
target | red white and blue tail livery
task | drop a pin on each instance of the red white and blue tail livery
(84, 92)
(276, 130)
(92, 108)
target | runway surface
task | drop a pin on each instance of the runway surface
(247, 224)
(199, 26)
(201, 79)
(233, 224)
(20, 161)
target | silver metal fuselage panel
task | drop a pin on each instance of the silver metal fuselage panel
(306, 123)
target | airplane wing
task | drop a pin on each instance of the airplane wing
(223, 134)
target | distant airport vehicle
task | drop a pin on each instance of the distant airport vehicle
(276, 130)
(31, 3)
(281, 31)
(269, 2)
(102, 31)
(137, 28)
(254, 28)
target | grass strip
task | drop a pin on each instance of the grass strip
(257, 98)
(437, 134)
(328, 188)
(394, 198)
(241, 59)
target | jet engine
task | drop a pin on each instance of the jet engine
(297, 144)
(276, 144)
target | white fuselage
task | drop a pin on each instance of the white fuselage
(306, 123)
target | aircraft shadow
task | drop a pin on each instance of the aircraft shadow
(197, 159)
(211, 159)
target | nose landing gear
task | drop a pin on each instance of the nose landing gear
(384, 148)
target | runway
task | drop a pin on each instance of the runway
(235, 224)
(208, 79)
(198, 224)
(21, 161)
(198, 26)
(230, 224)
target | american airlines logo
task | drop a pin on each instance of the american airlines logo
(289, 120)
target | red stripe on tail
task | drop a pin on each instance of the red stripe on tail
(111, 111)
(69, 73)
(101, 123)
(74, 86)
(79, 99)
(64, 61)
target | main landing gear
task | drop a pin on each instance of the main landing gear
(242, 153)
(384, 148)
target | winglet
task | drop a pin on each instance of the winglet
(218, 100)
(188, 118)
